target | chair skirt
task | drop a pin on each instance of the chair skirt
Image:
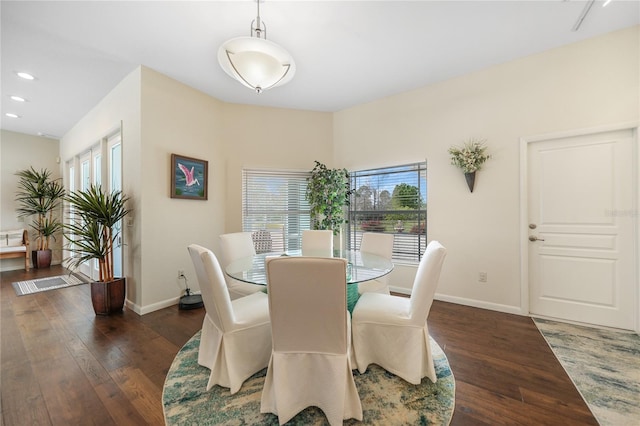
(384, 335)
(296, 381)
(236, 355)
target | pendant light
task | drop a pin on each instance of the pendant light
(255, 61)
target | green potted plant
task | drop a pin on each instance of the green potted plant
(327, 192)
(92, 232)
(40, 196)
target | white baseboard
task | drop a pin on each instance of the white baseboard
(142, 310)
(508, 309)
(400, 290)
(442, 297)
(467, 302)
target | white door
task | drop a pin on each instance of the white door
(96, 179)
(71, 186)
(581, 229)
(87, 268)
(114, 149)
(105, 170)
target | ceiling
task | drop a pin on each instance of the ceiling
(346, 52)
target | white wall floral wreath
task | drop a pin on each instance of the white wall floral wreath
(470, 158)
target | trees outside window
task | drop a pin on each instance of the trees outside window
(391, 200)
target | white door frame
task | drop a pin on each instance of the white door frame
(83, 182)
(524, 207)
(115, 139)
(97, 155)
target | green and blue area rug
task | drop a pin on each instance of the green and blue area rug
(604, 365)
(386, 399)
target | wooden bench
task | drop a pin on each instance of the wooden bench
(15, 243)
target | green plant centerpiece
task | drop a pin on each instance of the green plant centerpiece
(92, 232)
(327, 192)
(470, 158)
(40, 196)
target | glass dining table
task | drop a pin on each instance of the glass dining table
(361, 266)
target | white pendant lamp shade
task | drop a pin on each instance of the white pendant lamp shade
(256, 62)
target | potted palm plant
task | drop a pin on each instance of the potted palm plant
(327, 192)
(40, 196)
(92, 232)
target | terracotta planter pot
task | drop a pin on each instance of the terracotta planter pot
(108, 297)
(41, 259)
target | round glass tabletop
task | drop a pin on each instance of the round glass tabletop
(361, 266)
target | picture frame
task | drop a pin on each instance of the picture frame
(189, 177)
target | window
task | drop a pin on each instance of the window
(274, 208)
(93, 167)
(391, 200)
(97, 166)
(71, 186)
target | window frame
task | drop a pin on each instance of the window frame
(286, 234)
(409, 244)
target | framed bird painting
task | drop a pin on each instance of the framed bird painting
(189, 177)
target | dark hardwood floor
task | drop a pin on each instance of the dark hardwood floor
(62, 365)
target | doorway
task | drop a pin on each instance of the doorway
(100, 165)
(580, 228)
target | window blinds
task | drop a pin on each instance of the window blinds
(391, 200)
(274, 201)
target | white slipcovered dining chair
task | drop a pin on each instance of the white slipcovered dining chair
(236, 335)
(235, 246)
(317, 242)
(381, 245)
(310, 363)
(392, 331)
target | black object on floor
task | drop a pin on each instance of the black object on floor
(190, 301)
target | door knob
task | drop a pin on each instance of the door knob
(534, 238)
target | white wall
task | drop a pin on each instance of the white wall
(588, 84)
(584, 85)
(176, 119)
(18, 152)
(120, 106)
(270, 138)
(161, 116)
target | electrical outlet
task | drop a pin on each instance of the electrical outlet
(181, 274)
(482, 277)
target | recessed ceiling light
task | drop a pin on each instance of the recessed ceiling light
(25, 75)
(12, 115)
(47, 135)
(18, 98)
